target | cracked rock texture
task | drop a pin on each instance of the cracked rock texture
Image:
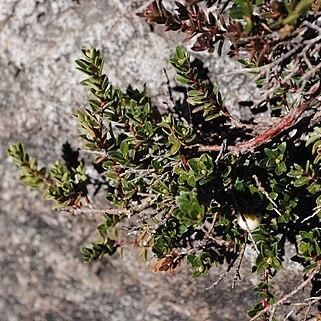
(42, 276)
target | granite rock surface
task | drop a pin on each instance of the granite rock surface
(42, 276)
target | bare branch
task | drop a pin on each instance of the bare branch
(266, 194)
(251, 144)
(286, 297)
(237, 274)
(111, 211)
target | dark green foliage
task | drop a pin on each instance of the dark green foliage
(191, 19)
(67, 187)
(169, 237)
(275, 159)
(189, 211)
(70, 186)
(98, 250)
(258, 33)
(201, 97)
(31, 174)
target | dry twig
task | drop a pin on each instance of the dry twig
(266, 194)
(286, 297)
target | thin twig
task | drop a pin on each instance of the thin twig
(91, 211)
(251, 144)
(238, 267)
(302, 305)
(308, 311)
(210, 231)
(269, 91)
(111, 211)
(265, 301)
(221, 277)
(316, 212)
(94, 152)
(265, 67)
(222, 151)
(39, 175)
(266, 194)
(272, 314)
(288, 315)
(140, 172)
(313, 273)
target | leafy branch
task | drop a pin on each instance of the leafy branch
(65, 187)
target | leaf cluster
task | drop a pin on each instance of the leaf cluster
(190, 18)
(201, 96)
(66, 187)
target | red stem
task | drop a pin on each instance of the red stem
(43, 178)
(265, 302)
(248, 145)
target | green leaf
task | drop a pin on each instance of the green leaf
(182, 80)
(182, 229)
(191, 181)
(297, 172)
(259, 2)
(282, 147)
(312, 139)
(273, 195)
(124, 148)
(193, 164)
(257, 308)
(302, 181)
(180, 52)
(280, 168)
(196, 274)
(176, 147)
(271, 153)
(239, 186)
(236, 13)
(276, 264)
(194, 260)
(303, 6)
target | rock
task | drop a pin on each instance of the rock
(42, 274)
